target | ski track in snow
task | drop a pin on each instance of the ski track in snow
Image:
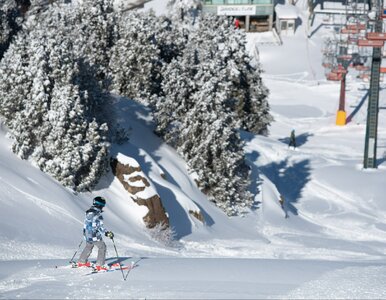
(49, 207)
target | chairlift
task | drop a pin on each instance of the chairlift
(361, 68)
(357, 27)
(327, 65)
(346, 30)
(377, 36)
(339, 70)
(344, 57)
(370, 43)
(334, 76)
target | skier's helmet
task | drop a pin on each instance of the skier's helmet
(99, 202)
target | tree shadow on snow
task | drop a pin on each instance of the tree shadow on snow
(290, 179)
(208, 219)
(255, 178)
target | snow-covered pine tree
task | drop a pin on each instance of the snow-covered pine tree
(77, 145)
(54, 119)
(5, 28)
(177, 89)
(15, 82)
(198, 116)
(146, 44)
(8, 23)
(212, 144)
(184, 11)
(96, 34)
(170, 39)
(135, 57)
(32, 127)
(256, 115)
(247, 87)
(209, 92)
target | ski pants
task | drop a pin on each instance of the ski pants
(88, 249)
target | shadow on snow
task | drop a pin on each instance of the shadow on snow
(289, 177)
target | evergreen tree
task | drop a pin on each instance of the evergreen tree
(198, 116)
(146, 44)
(212, 144)
(171, 108)
(55, 76)
(248, 90)
(77, 145)
(135, 56)
(96, 34)
(184, 11)
(57, 111)
(32, 124)
(15, 82)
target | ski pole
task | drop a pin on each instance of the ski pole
(116, 252)
(72, 259)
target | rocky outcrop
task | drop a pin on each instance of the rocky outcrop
(129, 173)
(198, 215)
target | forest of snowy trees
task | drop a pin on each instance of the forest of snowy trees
(60, 67)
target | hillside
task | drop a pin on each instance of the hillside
(328, 241)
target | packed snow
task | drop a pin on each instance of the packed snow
(319, 230)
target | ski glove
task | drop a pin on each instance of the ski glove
(109, 234)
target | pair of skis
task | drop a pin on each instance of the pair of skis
(111, 268)
(116, 267)
(128, 268)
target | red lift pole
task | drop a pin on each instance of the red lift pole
(341, 114)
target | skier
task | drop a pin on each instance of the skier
(92, 231)
(292, 141)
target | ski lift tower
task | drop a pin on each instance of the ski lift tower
(370, 156)
(356, 11)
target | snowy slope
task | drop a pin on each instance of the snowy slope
(331, 229)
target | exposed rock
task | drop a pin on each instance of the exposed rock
(139, 178)
(156, 214)
(198, 215)
(129, 173)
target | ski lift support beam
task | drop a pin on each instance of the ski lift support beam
(370, 155)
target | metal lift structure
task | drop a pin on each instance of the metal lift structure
(364, 33)
(344, 51)
(377, 36)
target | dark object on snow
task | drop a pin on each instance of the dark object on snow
(292, 142)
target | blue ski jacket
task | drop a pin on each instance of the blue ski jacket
(93, 227)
